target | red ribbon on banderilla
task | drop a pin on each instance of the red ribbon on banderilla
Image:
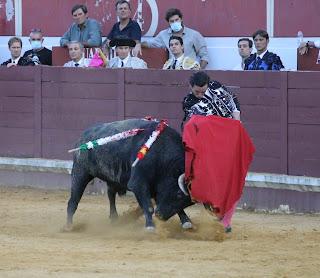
(153, 137)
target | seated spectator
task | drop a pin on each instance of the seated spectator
(245, 49)
(263, 59)
(126, 26)
(38, 54)
(124, 46)
(76, 52)
(304, 46)
(85, 30)
(179, 60)
(195, 46)
(15, 47)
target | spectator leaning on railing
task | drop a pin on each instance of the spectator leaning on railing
(263, 59)
(195, 46)
(85, 30)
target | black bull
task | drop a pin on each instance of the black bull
(154, 177)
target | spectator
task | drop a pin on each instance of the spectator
(126, 26)
(15, 47)
(85, 30)
(209, 98)
(304, 46)
(179, 60)
(245, 49)
(124, 60)
(38, 54)
(76, 52)
(263, 59)
(194, 44)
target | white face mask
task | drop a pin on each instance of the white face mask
(176, 26)
(36, 44)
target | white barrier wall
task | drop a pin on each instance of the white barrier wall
(223, 52)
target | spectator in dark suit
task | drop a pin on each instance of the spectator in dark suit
(15, 47)
(38, 54)
(244, 49)
(263, 59)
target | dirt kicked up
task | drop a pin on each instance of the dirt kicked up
(32, 243)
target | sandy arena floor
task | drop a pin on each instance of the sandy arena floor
(32, 243)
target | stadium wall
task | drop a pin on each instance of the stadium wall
(44, 109)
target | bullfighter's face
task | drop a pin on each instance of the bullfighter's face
(199, 91)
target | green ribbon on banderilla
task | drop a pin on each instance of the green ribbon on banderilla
(105, 140)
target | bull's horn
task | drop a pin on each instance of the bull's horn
(181, 184)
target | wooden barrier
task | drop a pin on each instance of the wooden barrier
(154, 57)
(309, 61)
(43, 110)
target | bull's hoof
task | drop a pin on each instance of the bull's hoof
(67, 228)
(150, 229)
(187, 225)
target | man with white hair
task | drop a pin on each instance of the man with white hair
(76, 53)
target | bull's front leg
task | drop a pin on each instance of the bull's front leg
(112, 201)
(143, 197)
(79, 181)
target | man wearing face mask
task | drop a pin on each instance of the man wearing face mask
(195, 46)
(38, 54)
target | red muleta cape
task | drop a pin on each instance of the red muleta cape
(218, 154)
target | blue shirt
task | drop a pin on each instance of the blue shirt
(90, 33)
(269, 61)
(132, 31)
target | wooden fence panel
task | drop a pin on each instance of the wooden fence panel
(17, 90)
(72, 100)
(304, 123)
(43, 110)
